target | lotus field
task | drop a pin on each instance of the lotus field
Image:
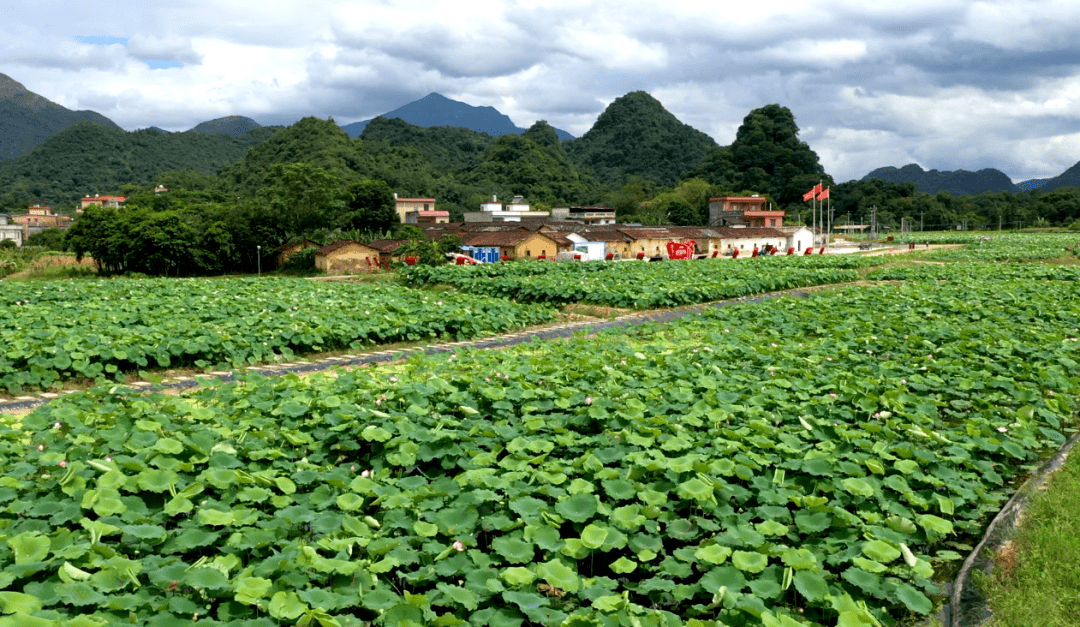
(52, 331)
(816, 461)
(997, 245)
(641, 285)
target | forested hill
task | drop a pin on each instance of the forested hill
(958, 182)
(27, 119)
(448, 148)
(233, 126)
(637, 136)
(89, 158)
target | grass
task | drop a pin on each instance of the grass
(1036, 576)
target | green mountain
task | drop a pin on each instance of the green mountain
(448, 148)
(767, 156)
(233, 126)
(89, 158)
(957, 183)
(27, 119)
(534, 165)
(318, 143)
(636, 136)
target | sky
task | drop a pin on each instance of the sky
(945, 84)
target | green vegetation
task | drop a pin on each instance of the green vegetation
(640, 285)
(102, 329)
(798, 461)
(1035, 574)
(89, 158)
(636, 136)
(232, 196)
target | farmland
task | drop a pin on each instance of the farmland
(800, 461)
(53, 331)
(641, 285)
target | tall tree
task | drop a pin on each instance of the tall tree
(370, 207)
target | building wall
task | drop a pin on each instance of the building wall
(747, 244)
(350, 259)
(534, 246)
(405, 205)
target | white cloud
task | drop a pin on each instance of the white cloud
(942, 83)
(149, 48)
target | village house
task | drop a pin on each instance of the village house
(427, 217)
(745, 240)
(584, 215)
(283, 252)
(420, 205)
(748, 211)
(513, 244)
(100, 201)
(388, 249)
(347, 257)
(513, 211)
(10, 231)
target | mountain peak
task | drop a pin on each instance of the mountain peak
(436, 109)
(27, 119)
(232, 126)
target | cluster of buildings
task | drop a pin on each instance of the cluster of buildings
(511, 231)
(39, 217)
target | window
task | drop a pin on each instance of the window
(425, 206)
(528, 253)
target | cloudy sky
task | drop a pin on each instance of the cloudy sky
(946, 84)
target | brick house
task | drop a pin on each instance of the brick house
(748, 211)
(100, 201)
(406, 205)
(347, 257)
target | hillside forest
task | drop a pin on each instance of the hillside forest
(234, 198)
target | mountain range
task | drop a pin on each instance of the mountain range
(964, 182)
(28, 119)
(438, 110)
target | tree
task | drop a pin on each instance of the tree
(304, 197)
(51, 239)
(370, 207)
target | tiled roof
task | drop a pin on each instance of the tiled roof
(325, 250)
(304, 244)
(742, 233)
(505, 238)
(386, 245)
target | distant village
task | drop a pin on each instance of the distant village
(505, 231)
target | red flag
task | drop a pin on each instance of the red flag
(817, 188)
(809, 195)
(824, 194)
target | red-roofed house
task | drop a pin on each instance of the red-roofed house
(427, 217)
(38, 218)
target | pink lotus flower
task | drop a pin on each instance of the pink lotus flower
(832, 394)
(459, 545)
(366, 473)
(63, 463)
(588, 400)
(1002, 429)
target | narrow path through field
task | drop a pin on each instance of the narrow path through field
(24, 404)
